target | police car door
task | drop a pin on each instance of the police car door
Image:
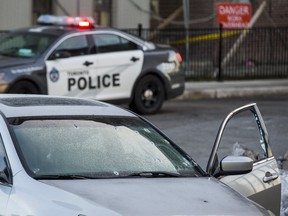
(243, 133)
(118, 64)
(69, 68)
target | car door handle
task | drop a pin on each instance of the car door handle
(134, 59)
(87, 63)
(270, 177)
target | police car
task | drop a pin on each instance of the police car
(69, 56)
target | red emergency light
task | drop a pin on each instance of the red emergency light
(84, 24)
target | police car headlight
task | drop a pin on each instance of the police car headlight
(167, 67)
(172, 56)
(175, 56)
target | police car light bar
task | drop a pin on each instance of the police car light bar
(81, 22)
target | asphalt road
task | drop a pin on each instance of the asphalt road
(193, 124)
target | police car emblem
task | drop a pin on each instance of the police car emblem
(54, 75)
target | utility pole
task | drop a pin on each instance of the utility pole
(186, 10)
(78, 8)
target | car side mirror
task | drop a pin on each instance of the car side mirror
(235, 165)
(59, 54)
(4, 171)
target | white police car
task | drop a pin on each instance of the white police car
(68, 56)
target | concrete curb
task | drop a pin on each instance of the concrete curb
(234, 89)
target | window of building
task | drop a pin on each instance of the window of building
(102, 12)
(154, 6)
(41, 7)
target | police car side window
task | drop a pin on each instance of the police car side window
(112, 43)
(75, 46)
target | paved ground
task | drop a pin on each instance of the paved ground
(229, 89)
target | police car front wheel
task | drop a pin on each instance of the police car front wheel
(148, 96)
(24, 87)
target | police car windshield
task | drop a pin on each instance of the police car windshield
(25, 45)
(105, 147)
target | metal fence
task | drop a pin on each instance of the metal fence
(213, 54)
(2, 33)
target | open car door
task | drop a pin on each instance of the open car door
(243, 135)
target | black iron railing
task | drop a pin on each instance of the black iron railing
(257, 53)
(2, 33)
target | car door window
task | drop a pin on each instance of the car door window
(3, 161)
(242, 138)
(75, 46)
(112, 43)
(5, 189)
(2, 151)
(243, 133)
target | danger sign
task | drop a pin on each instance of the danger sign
(234, 15)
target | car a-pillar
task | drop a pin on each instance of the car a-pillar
(148, 96)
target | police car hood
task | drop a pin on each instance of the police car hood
(7, 61)
(160, 196)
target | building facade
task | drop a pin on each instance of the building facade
(130, 13)
(115, 13)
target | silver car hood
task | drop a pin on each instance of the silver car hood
(160, 196)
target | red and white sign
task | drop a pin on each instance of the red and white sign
(234, 15)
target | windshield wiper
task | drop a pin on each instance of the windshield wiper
(155, 174)
(63, 177)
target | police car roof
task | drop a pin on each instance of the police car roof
(54, 30)
(58, 30)
(42, 105)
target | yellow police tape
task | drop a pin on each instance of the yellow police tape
(207, 37)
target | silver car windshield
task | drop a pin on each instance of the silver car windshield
(98, 148)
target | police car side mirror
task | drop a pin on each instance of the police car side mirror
(58, 54)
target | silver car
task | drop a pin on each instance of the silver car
(69, 156)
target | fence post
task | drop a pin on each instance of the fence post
(219, 75)
(186, 10)
(140, 30)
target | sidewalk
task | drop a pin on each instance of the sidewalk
(233, 89)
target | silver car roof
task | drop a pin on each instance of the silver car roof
(13, 105)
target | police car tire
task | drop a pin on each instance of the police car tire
(24, 87)
(149, 95)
